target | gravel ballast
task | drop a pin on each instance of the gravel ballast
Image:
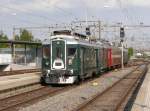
(69, 100)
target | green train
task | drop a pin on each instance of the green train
(71, 57)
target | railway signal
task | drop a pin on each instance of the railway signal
(88, 31)
(122, 35)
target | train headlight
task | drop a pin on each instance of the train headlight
(71, 71)
(70, 61)
(47, 63)
(48, 71)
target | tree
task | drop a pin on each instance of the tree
(3, 37)
(17, 38)
(130, 52)
(26, 35)
(37, 40)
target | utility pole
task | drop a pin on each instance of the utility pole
(99, 29)
(13, 49)
(13, 33)
(122, 65)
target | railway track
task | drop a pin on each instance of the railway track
(12, 103)
(27, 98)
(15, 72)
(112, 98)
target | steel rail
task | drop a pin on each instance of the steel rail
(98, 95)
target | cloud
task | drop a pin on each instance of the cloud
(63, 10)
(34, 5)
(142, 3)
(116, 3)
(52, 5)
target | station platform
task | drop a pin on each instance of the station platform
(3, 66)
(18, 67)
(142, 101)
(13, 81)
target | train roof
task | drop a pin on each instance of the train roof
(69, 32)
(73, 39)
(76, 38)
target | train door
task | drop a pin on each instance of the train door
(109, 59)
(97, 59)
(82, 61)
(101, 58)
(104, 58)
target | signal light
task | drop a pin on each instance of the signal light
(88, 31)
(122, 33)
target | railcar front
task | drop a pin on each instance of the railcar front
(60, 61)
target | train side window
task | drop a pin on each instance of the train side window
(71, 51)
(71, 55)
(46, 52)
(58, 52)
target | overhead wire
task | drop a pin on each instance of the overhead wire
(132, 19)
(138, 21)
(137, 18)
(25, 21)
(63, 12)
(27, 12)
(123, 12)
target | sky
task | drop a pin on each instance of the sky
(22, 13)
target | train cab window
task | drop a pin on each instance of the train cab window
(58, 52)
(71, 51)
(46, 52)
(71, 55)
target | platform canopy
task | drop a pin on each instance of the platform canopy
(25, 44)
(20, 42)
